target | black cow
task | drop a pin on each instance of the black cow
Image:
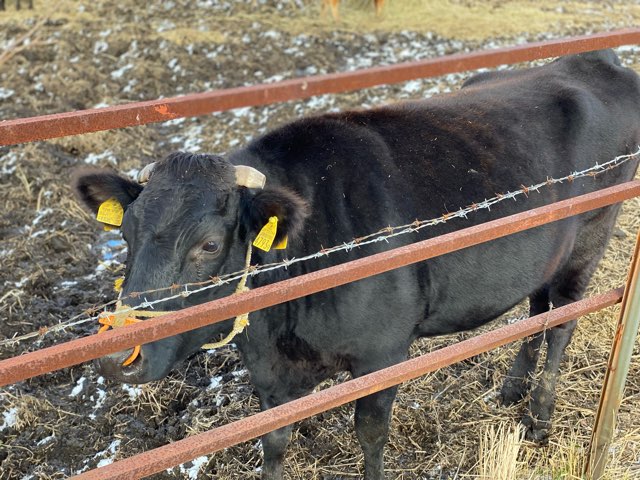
(334, 177)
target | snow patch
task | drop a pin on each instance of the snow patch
(134, 392)
(41, 214)
(241, 112)
(116, 74)
(78, 388)
(215, 383)
(45, 440)
(192, 140)
(94, 158)
(194, 470)
(102, 396)
(165, 25)
(513, 320)
(8, 163)
(273, 34)
(39, 233)
(111, 449)
(490, 397)
(99, 47)
(9, 418)
(413, 86)
(274, 78)
(6, 93)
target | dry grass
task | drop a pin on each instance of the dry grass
(476, 19)
(460, 19)
(498, 452)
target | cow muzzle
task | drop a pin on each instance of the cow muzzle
(133, 365)
(111, 367)
(148, 366)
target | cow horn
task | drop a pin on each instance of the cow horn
(145, 173)
(249, 177)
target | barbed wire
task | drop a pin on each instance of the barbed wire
(381, 235)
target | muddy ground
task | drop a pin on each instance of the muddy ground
(56, 261)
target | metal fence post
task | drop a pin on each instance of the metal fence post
(617, 370)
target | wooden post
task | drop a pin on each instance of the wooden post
(617, 370)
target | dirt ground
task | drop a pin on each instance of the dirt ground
(56, 261)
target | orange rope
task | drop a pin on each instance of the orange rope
(115, 321)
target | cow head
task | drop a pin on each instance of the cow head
(193, 220)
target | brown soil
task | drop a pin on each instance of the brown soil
(57, 262)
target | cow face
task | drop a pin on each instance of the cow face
(192, 221)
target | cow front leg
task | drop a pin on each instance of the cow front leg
(543, 398)
(373, 414)
(274, 444)
(516, 385)
(274, 447)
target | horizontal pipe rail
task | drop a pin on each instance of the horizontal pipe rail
(91, 347)
(140, 113)
(173, 454)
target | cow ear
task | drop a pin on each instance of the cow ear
(94, 186)
(289, 207)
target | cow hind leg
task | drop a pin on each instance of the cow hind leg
(517, 384)
(568, 286)
(542, 401)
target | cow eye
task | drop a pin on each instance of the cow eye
(211, 247)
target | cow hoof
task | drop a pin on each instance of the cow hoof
(537, 431)
(513, 391)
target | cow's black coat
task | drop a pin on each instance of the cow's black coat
(334, 177)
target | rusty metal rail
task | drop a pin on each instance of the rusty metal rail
(173, 454)
(78, 351)
(140, 113)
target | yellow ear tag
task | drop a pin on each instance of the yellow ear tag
(283, 244)
(267, 235)
(117, 284)
(110, 212)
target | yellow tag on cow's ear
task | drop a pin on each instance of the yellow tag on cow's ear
(117, 284)
(267, 235)
(110, 212)
(282, 245)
